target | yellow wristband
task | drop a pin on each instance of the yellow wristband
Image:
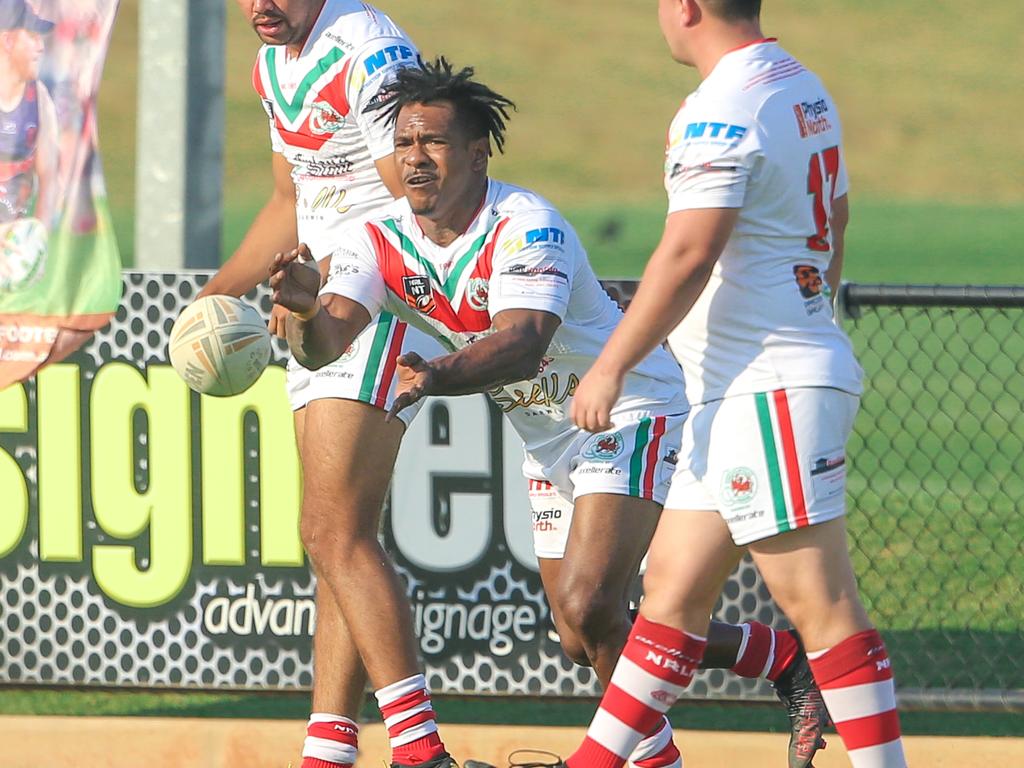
(310, 313)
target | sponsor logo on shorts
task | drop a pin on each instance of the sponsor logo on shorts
(672, 457)
(604, 447)
(544, 520)
(351, 352)
(599, 471)
(477, 292)
(739, 485)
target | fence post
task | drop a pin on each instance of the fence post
(180, 134)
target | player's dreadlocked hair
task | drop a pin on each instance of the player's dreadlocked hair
(480, 110)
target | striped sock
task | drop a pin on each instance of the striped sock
(331, 741)
(855, 678)
(656, 665)
(764, 652)
(657, 750)
(409, 717)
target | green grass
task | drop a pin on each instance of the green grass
(697, 715)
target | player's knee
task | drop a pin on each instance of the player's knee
(591, 615)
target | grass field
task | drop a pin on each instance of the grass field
(923, 88)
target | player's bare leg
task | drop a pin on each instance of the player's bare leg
(348, 455)
(339, 678)
(811, 578)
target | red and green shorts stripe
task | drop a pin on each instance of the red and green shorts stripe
(385, 348)
(646, 454)
(775, 423)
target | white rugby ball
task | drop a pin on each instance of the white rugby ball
(219, 345)
(22, 253)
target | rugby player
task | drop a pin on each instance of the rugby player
(499, 277)
(740, 285)
(320, 75)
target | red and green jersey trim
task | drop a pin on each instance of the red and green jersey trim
(292, 116)
(448, 306)
(777, 437)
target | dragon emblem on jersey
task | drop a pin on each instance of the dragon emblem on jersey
(324, 120)
(419, 293)
(476, 293)
(604, 447)
(738, 487)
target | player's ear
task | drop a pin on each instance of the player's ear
(480, 150)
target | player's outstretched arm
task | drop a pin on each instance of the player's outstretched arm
(513, 352)
(319, 330)
(272, 231)
(673, 279)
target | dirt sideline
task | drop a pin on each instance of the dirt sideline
(123, 742)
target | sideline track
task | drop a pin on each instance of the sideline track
(128, 742)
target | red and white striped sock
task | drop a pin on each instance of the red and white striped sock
(764, 652)
(855, 678)
(409, 717)
(657, 750)
(332, 741)
(656, 665)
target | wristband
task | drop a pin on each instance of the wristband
(310, 313)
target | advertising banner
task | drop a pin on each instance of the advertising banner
(149, 536)
(59, 264)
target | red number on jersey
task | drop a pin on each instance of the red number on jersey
(824, 168)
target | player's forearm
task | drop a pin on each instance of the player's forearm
(670, 286)
(510, 355)
(272, 231)
(320, 340)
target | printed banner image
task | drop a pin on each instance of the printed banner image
(59, 264)
(149, 536)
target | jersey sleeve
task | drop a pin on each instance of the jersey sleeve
(533, 264)
(373, 68)
(713, 148)
(354, 272)
(276, 142)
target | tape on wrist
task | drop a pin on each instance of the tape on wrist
(308, 314)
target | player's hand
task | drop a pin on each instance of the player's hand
(276, 323)
(295, 280)
(593, 400)
(415, 378)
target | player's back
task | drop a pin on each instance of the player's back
(762, 134)
(321, 106)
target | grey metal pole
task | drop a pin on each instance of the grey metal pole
(180, 134)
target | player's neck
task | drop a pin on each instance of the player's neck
(721, 39)
(12, 88)
(445, 227)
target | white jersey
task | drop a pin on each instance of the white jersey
(518, 253)
(761, 134)
(323, 109)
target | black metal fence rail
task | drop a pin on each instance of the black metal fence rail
(936, 487)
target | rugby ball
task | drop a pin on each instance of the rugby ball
(22, 253)
(219, 345)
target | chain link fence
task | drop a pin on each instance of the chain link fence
(936, 487)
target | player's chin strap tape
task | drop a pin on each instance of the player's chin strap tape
(520, 759)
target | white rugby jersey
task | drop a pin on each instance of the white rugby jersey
(761, 134)
(518, 253)
(322, 113)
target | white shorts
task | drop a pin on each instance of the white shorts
(366, 372)
(635, 459)
(768, 462)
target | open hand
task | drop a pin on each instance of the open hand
(415, 378)
(593, 400)
(295, 280)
